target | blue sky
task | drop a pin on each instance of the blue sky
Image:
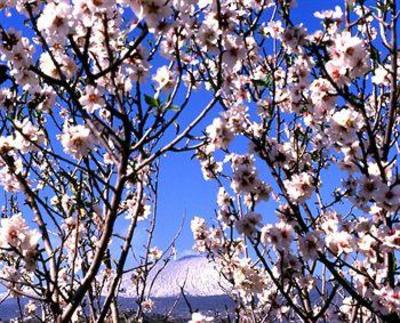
(182, 189)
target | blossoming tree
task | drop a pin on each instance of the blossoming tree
(307, 224)
(92, 95)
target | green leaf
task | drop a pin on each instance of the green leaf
(153, 102)
(267, 82)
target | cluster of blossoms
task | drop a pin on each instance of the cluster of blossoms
(299, 187)
(26, 138)
(77, 140)
(325, 130)
(92, 100)
(18, 241)
(349, 58)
